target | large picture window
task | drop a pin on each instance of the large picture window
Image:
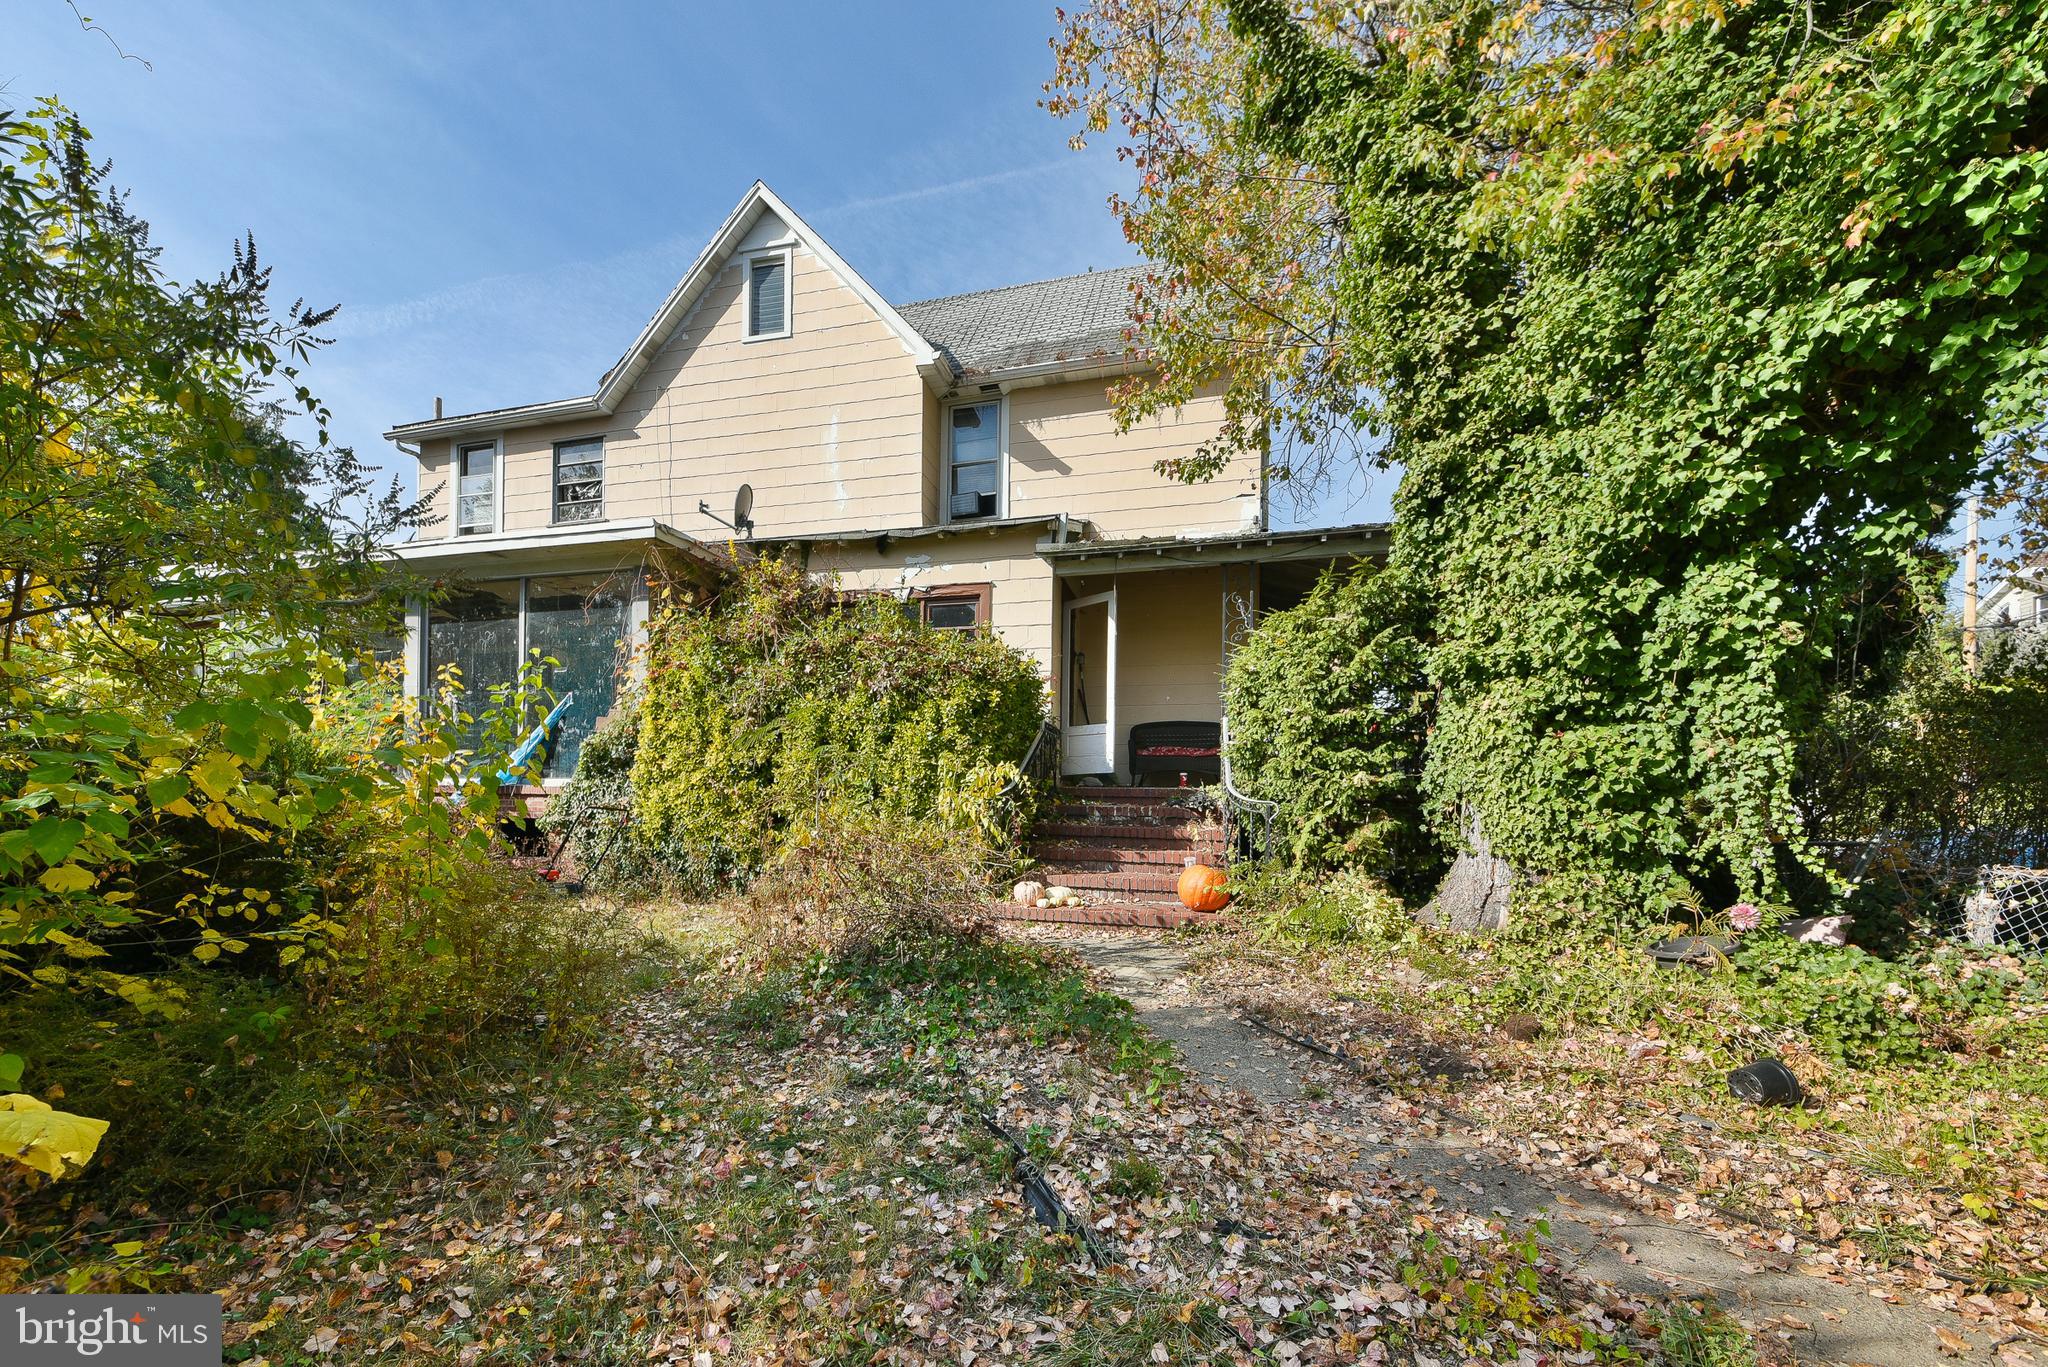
(476, 631)
(578, 621)
(974, 457)
(579, 481)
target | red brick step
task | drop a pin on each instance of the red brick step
(1088, 853)
(1133, 913)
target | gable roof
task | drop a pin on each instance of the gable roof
(615, 383)
(704, 270)
(1047, 322)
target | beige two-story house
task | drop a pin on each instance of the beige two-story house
(958, 453)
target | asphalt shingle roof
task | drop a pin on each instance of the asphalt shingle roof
(1073, 317)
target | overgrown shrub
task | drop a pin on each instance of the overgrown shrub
(432, 937)
(1863, 1011)
(1351, 908)
(278, 985)
(1328, 706)
(783, 701)
(862, 885)
(594, 811)
(1941, 752)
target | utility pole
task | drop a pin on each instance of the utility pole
(1970, 591)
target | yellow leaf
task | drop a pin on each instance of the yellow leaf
(217, 774)
(206, 953)
(67, 878)
(128, 1248)
(180, 807)
(46, 1140)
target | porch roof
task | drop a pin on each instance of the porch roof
(579, 541)
(1137, 554)
(1076, 526)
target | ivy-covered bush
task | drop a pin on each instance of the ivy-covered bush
(1329, 709)
(594, 811)
(1679, 347)
(783, 700)
(1939, 752)
(1863, 1011)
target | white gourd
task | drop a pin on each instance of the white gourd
(1026, 894)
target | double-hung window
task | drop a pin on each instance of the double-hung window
(768, 296)
(974, 458)
(579, 480)
(476, 489)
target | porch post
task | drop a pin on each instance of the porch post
(415, 652)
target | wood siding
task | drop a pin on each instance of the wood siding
(1066, 456)
(828, 424)
(1021, 599)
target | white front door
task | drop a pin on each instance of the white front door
(1088, 712)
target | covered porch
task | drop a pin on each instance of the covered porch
(1143, 630)
(578, 597)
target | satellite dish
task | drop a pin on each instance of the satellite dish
(742, 511)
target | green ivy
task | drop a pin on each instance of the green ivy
(1864, 1011)
(1687, 324)
(783, 700)
(1329, 711)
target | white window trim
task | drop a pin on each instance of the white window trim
(787, 255)
(455, 450)
(1002, 403)
(604, 481)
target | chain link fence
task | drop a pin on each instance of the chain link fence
(1984, 887)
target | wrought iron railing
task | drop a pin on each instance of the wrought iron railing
(1039, 768)
(1251, 823)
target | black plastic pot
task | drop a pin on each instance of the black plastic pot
(1767, 1082)
(1691, 951)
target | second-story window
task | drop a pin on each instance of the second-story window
(476, 489)
(768, 296)
(579, 481)
(974, 457)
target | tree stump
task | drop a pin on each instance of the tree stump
(1475, 892)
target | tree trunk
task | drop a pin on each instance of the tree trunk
(1474, 893)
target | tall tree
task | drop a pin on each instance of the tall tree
(174, 568)
(1687, 320)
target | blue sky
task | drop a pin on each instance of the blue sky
(499, 195)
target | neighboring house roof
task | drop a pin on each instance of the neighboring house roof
(2024, 583)
(1020, 327)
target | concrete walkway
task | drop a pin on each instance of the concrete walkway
(1599, 1238)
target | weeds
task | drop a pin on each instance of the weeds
(1699, 1334)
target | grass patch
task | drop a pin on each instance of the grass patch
(1698, 1334)
(778, 1160)
(1917, 1069)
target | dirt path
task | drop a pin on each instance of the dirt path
(1821, 1320)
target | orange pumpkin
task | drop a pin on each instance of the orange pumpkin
(1201, 888)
